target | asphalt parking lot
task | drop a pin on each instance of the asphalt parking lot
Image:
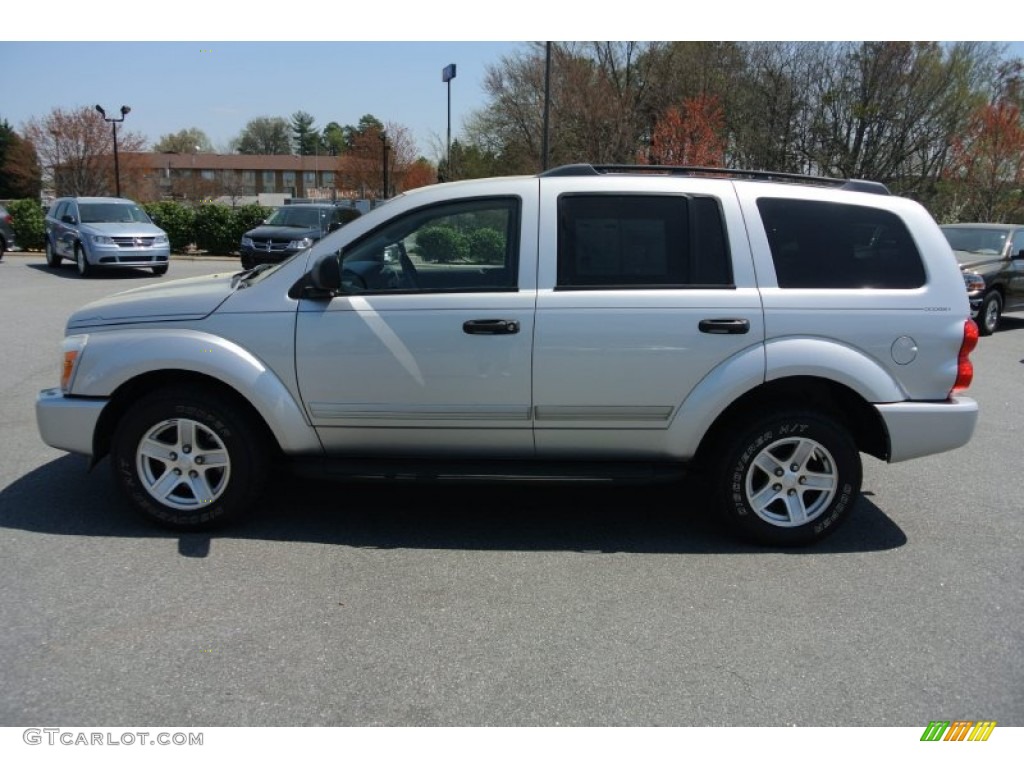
(342, 605)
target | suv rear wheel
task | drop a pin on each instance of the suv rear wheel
(188, 460)
(789, 479)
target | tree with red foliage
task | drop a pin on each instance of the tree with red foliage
(988, 164)
(693, 134)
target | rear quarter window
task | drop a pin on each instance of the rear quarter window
(817, 244)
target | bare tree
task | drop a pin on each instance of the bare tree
(75, 149)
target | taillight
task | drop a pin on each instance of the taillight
(964, 366)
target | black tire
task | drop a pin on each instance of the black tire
(247, 262)
(52, 258)
(811, 490)
(153, 459)
(990, 313)
(161, 270)
(3, 248)
(84, 267)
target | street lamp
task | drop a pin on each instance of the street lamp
(384, 150)
(113, 128)
(447, 75)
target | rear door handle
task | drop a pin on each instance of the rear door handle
(490, 327)
(724, 325)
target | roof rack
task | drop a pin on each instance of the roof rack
(586, 169)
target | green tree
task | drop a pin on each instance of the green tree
(333, 139)
(184, 142)
(20, 174)
(305, 136)
(264, 136)
(368, 126)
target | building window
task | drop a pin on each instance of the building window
(268, 180)
(309, 178)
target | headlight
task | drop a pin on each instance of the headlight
(301, 243)
(160, 240)
(72, 349)
(102, 240)
(247, 242)
(974, 282)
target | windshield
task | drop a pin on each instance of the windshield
(124, 213)
(970, 242)
(307, 218)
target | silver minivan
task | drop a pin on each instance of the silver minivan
(97, 232)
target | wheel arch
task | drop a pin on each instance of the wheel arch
(826, 396)
(145, 384)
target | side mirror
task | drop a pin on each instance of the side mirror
(67, 218)
(334, 226)
(1019, 254)
(325, 277)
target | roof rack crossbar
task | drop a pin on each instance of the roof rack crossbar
(587, 169)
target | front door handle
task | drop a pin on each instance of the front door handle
(490, 327)
(730, 325)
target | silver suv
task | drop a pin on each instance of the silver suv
(98, 232)
(761, 329)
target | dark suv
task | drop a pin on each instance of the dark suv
(291, 229)
(991, 257)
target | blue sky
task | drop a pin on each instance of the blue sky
(198, 63)
(219, 86)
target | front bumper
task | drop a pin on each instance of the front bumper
(68, 423)
(119, 256)
(921, 429)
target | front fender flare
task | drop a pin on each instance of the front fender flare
(113, 358)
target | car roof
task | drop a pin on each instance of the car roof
(93, 199)
(980, 225)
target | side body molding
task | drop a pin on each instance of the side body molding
(112, 358)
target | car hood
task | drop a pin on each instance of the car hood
(123, 229)
(973, 262)
(192, 298)
(283, 233)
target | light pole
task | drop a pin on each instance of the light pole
(113, 127)
(447, 75)
(384, 150)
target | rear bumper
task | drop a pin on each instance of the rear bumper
(921, 429)
(68, 423)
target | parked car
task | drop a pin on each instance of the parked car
(7, 240)
(99, 232)
(991, 257)
(290, 229)
(593, 321)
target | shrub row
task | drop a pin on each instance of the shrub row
(214, 228)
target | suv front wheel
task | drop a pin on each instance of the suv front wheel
(188, 460)
(789, 479)
(989, 314)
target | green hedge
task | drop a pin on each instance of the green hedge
(214, 228)
(27, 223)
